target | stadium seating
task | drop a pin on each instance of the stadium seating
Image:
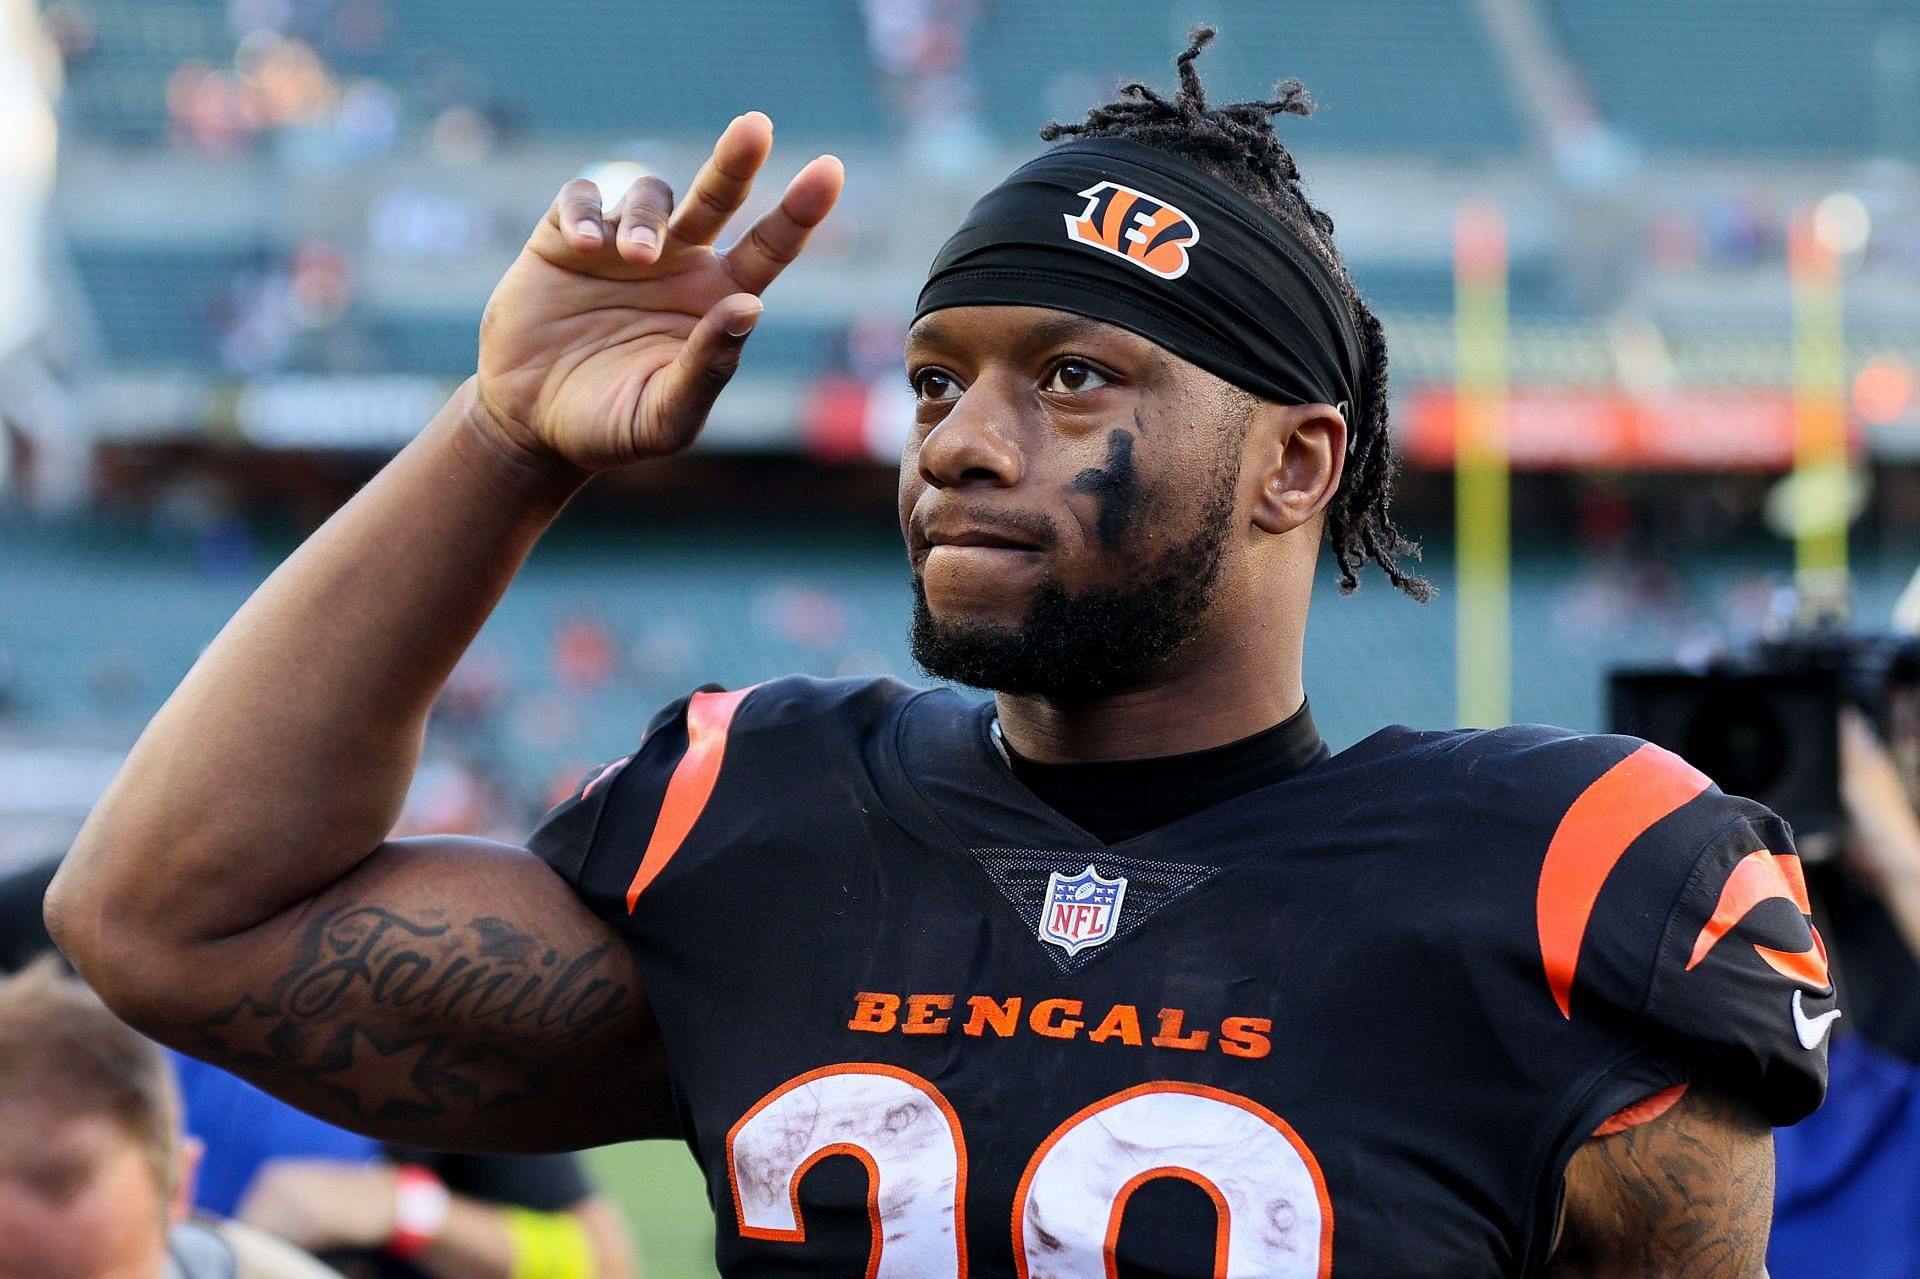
(605, 68)
(444, 345)
(1737, 75)
(1426, 288)
(1410, 74)
(97, 623)
(168, 306)
(161, 305)
(117, 92)
(596, 67)
(102, 620)
(578, 67)
(1740, 75)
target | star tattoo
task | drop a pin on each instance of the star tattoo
(246, 1030)
(376, 1077)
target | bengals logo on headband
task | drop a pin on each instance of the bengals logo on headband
(1130, 224)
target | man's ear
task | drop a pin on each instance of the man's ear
(1297, 454)
(186, 1180)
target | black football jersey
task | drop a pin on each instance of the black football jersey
(1353, 1023)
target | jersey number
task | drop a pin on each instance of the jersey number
(1273, 1217)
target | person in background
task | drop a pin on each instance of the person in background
(380, 1212)
(96, 1177)
(1847, 1194)
(371, 1211)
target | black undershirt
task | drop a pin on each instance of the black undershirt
(1118, 799)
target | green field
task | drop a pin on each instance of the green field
(659, 1185)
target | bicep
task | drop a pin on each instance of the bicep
(452, 993)
(1688, 1195)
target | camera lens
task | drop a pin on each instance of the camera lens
(1740, 744)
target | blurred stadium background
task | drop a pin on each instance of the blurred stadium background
(244, 245)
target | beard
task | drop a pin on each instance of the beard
(1072, 647)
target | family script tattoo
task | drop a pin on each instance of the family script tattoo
(412, 1017)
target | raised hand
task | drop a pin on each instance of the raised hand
(611, 334)
(1883, 831)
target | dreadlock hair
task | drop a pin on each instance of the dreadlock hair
(1236, 144)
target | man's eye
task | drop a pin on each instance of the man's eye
(1071, 377)
(931, 386)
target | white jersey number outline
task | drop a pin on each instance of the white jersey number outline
(1274, 1217)
(891, 1120)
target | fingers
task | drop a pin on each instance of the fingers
(1860, 745)
(777, 236)
(635, 226)
(641, 221)
(724, 180)
(648, 222)
(576, 213)
(706, 363)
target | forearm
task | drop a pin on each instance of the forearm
(478, 1243)
(474, 1244)
(1884, 853)
(283, 758)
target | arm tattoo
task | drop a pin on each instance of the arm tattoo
(412, 1017)
(1687, 1196)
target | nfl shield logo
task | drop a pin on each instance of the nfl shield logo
(1081, 910)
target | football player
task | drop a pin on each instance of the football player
(1117, 972)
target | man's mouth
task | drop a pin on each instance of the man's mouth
(978, 553)
(951, 525)
(983, 539)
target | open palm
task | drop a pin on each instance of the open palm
(612, 332)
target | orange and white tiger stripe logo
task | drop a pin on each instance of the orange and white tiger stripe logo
(1130, 224)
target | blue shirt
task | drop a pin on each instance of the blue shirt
(244, 1127)
(1847, 1186)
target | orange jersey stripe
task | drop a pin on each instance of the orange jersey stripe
(709, 715)
(1761, 876)
(604, 774)
(1641, 1112)
(1616, 809)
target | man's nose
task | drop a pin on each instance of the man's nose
(973, 444)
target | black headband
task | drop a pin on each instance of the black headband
(1120, 232)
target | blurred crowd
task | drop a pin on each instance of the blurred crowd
(330, 81)
(567, 679)
(532, 708)
(291, 82)
(322, 86)
(921, 59)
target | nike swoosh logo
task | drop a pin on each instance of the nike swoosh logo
(1811, 1030)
